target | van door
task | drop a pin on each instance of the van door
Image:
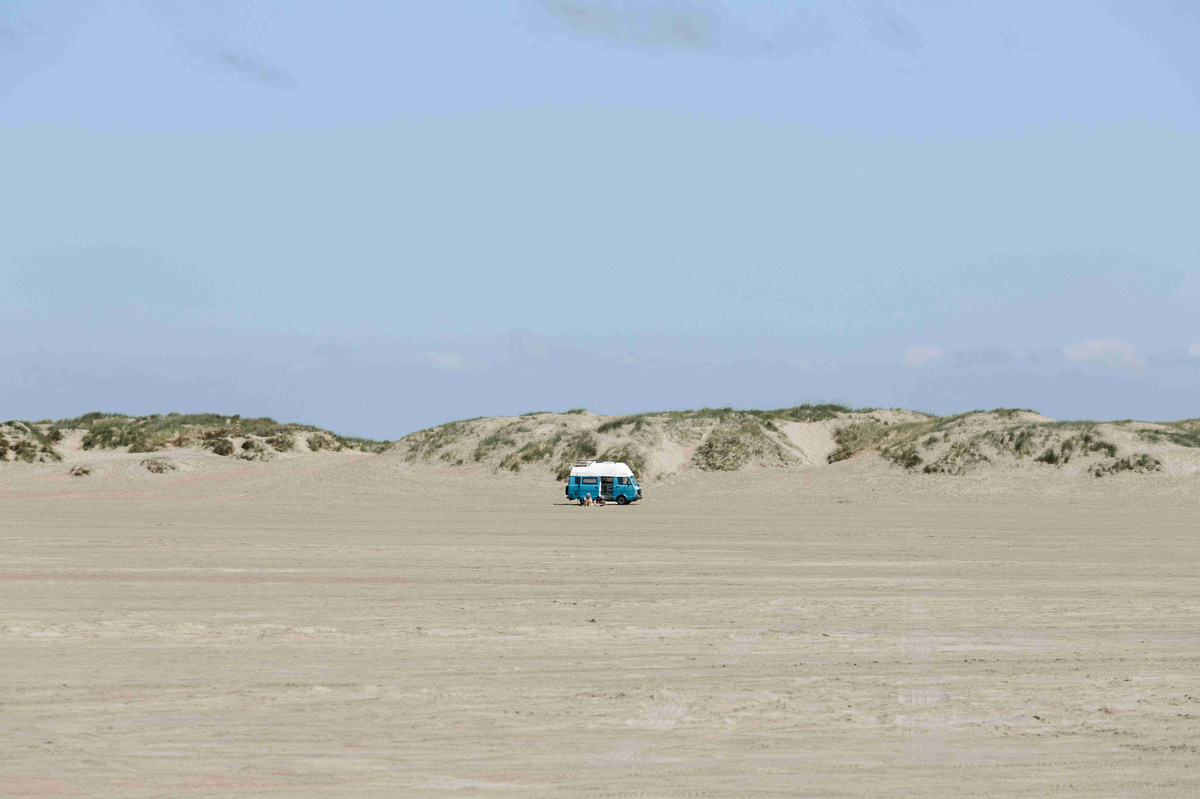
(606, 484)
(623, 488)
(588, 487)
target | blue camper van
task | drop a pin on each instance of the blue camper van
(612, 481)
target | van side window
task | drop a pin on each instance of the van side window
(622, 481)
(589, 481)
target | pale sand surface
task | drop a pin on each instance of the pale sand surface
(347, 626)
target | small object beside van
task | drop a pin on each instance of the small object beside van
(614, 482)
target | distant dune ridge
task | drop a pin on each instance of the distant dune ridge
(658, 444)
(653, 444)
(102, 437)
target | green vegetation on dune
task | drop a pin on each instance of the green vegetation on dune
(1007, 413)
(1185, 438)
(1019, 441)
(502, 437)
(1185, 433)
(318, 442)
(815, 413)
(151, 433)
(31, 442)
(729, 439)
(156, 432)
(853, 439)
(729, 447)
(904, 456)
(282, 442)
(360, 444)
(630, 455)
(1079, 444)
(218, 445)
(739, 436)
(961, 458)
(28, 451)
(956, 445)
(434, 439)
(798, 413)
(42, 435)
(637, 422)
(1138, 464)
(578, 447)
(533, 452)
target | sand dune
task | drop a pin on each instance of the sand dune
(655, 445)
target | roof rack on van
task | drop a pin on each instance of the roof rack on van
(584, 463)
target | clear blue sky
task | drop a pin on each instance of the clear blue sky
(377, 216)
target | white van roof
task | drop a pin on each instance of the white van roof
(601, 469)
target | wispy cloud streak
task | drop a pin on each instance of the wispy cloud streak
(256, 69)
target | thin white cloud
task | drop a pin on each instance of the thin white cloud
(927, 355)
(706, 26)
(647, 24)
(1194, 350)
(224, 57)
(1113, 352)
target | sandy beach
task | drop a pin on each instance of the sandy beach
(351, 626)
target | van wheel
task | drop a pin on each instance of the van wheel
(622, 500)
(581, 502)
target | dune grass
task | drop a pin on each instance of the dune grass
(35, 444)
(502, 437)
(581, 446)
(435, 439)
(731, 446)
(1081, 444)
(532, 452)
(903, 444)
(628, 454)
(637, 422)
(1138, 464)
(155, 432)
(1185, 433)
(853, 439)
